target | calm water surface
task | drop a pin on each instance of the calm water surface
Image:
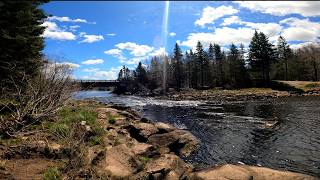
(239, 132)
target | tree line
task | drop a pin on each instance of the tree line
(233, 68)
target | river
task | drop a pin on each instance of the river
(278, 133)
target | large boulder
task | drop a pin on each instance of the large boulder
(163, 127)
(178, 141)
(122, 161)
(244, 172)
(141, 131)
(168, 166)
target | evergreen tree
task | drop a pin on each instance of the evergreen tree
(200, 57)
(233, 62)
(154, 74)
(187, 69)
(21, 42)
(283, 52)
(141, 74)
(212, 61)
(177, 66)
(219, 64)
(261, 54)
(194, 70)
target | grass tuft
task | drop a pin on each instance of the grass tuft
(112, 120)
(52, 174)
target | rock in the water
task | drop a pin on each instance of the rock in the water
(168, 166)
(163, 127)
(179, 141)
(244, 172)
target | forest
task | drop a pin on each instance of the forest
(236, 67)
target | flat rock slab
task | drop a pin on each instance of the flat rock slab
(244, 172)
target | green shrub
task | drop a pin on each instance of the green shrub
(52, 174)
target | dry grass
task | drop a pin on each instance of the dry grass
(304, 85)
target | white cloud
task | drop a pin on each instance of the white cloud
(91, 69)
(230, 20)
(221, 36)
(300, 29)
(136, 60)
(52, 31)
(74, 28)
(281, 8)
(113, 52)
(97, 74)
(116, 53)
(135, 49)
(66, 19)
(210, 14)
(270, 29)
(159, 52)
(111, 34)
(90, 38)
(300, 45)
(92, 61)
(71, 65)
(172, 34)
(50, 26)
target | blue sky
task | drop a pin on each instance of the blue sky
(96, 38)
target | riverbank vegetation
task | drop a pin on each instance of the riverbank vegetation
(236, 67)
(32, 87)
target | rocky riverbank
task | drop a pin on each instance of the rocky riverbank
(114, 143)
(220, 95)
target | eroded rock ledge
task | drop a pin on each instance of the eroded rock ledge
(147, 150)
(130, 147)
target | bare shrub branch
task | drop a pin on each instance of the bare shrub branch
(38, 98)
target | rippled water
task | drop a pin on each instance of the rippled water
(281, 133)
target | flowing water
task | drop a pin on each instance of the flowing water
(279, 133)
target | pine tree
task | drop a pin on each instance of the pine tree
(233, 62)
(283, 52)
(194, 70)
(261, 54)
(154, 73)
(200, 57)
(218, 58)
(212, 61)
(177, 66)
(187, 64)
(141, 74)
(21, 42)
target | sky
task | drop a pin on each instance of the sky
(95, 39)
